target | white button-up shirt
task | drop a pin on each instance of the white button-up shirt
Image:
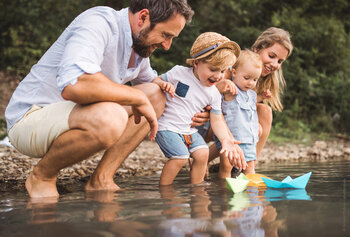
(98, 40)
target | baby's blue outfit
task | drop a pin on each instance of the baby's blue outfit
(242, 119)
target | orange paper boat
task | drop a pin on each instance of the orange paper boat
(256, 180)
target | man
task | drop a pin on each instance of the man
(73, 103)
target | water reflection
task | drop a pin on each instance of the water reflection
(42, 210)
(108, 207)
(222, 213)
(286, 194)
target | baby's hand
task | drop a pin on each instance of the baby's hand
(266, 94)
(226, 87)
(167, 87)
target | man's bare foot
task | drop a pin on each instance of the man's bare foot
(96, 184)
(39, 188)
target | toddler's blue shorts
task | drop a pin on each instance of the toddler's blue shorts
(173, 145)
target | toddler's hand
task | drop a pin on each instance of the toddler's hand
(226, 87)
(234, 153)
(168, 87)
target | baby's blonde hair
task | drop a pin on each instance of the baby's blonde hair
(248, 56)
(274, 81)
(222, 59)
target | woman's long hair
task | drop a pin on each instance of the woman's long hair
(274, 81)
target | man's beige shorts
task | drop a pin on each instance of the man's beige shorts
(40, 126)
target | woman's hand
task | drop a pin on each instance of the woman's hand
(266, 94)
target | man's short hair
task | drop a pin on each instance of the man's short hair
(162, 10)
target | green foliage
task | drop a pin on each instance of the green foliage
(3, 132)
(317, 73)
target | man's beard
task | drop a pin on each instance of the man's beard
(139, 43)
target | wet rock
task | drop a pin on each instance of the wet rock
(320, 145)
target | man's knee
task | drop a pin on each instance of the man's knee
(155, 95)
(108, 123)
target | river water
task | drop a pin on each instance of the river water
(144, 209)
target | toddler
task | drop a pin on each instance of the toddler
(189, 90)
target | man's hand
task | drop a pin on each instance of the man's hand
(146, 110)
(234, 153)
(201, 118)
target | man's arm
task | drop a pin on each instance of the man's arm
(93, 88)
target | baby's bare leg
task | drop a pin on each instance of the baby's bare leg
(170, 170)
(250, 168)
(199, 165)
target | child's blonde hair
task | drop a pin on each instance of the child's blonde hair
(274, 81)
(248, 56)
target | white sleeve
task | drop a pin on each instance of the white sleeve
(216, 102)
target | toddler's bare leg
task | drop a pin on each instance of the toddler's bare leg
(170, 170)
(199, 165)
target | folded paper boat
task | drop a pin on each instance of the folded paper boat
(288, 182)
(256, 180)
(238, 184)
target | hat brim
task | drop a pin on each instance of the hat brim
(227, 45)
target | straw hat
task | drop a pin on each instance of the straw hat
(208, 43)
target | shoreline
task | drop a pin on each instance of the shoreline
(147, 159)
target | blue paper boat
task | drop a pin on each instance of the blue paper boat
(288, 182)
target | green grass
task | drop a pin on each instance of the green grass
(3, 132)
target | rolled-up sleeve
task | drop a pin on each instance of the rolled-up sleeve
(85, 46)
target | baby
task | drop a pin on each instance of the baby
(240, 110)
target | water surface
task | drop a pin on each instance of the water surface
(144, 209)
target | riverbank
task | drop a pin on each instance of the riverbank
(147, 159)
